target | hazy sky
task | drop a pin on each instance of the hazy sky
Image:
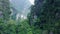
(22, 5)
(32, 2)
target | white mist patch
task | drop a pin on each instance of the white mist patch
(32, 2)
(17, 16)
(24, 17)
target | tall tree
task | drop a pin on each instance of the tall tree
(47, 14)
(5, 9)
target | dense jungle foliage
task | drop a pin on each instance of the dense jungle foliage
(44, 18)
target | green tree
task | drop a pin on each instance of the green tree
(45, 15)
(25, 27)
(5, 10)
